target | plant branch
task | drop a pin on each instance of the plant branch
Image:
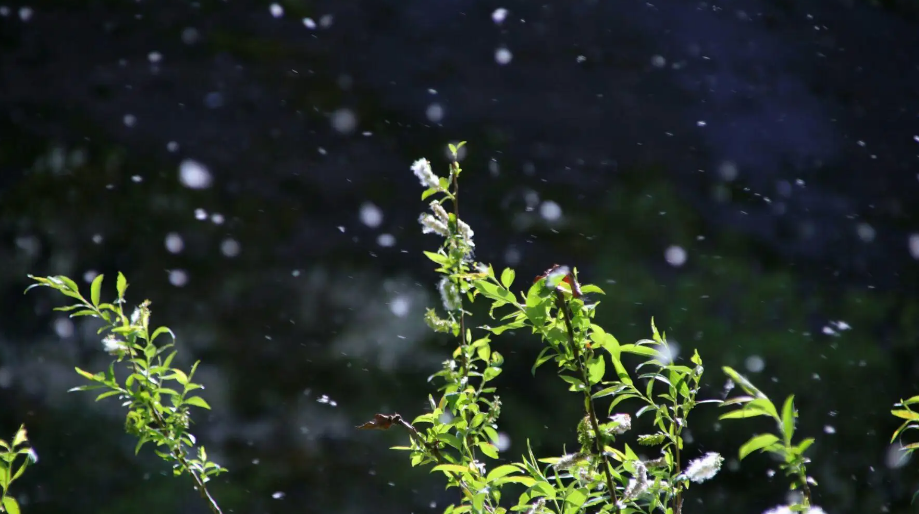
(462, 314)
(588, 401)
(176, 451)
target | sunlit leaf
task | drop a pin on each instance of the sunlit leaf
(757, 442)
(788, 418)
(10, 505)
(507, 277)
(489, 450)
(121, 285)
(452, 468)
(95, 290)
(906, 414)
(591, 288)
(197, 401)
(494, 292)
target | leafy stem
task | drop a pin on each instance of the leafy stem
(588, 400)
(148, 418)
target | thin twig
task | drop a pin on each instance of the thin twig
(396, 418)
(588, 401)
(462, 316)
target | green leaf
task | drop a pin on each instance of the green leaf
(576, 383)
(788, 418)
(494, 292)
(526, 481)
(696, 359)
(639, 350)
(20, 437)
(70, 284)
(804, 445)
(87, 375)
(608, 391)
(590, 288)
(452, 148)
(747, 412)
(491, 373)
(122, 285)
(95, 290)
(162, 330)
(620, 370)
(906, 414)
(502, 471)
(443, 260)
(757, 442)
(107, 394)
(489, 449)
(10, 505)
(575, 498)
(142, 441)
(914, 399)
(197, 401)
(453, 468)
(507, 277)
(596, 368)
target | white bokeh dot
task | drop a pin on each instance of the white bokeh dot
(178, 277)
(503, 56)
(675, 256)
(371, 215)
(174, 243)
(550, 211)
(194, 175)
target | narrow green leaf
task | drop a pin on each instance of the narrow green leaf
(489, 450)
(197, 401)
(526, 481)
(427, 193)
(576, 383)
(20, 437)
(10, 505)
(453, 468)
(494, 292)
(596, 368)
(757, 442)
(502, 471)
(507, 277)
(87, 375)
(639, 350)
(95, 290)
(804, 445)
(788, 418)
(744, 413)
(914, 399)
(143, 440)
(443, 260)
(107, 394)
(575, 498)
(906, 414)
(591, 288)
(162, 330)
(122, 285)
(70, 284)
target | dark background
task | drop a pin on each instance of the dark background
(776, 143)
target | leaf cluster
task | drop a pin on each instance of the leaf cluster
(10, 453)
(158, 397)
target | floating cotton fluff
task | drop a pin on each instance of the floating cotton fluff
(704, 468)
(422, 169)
